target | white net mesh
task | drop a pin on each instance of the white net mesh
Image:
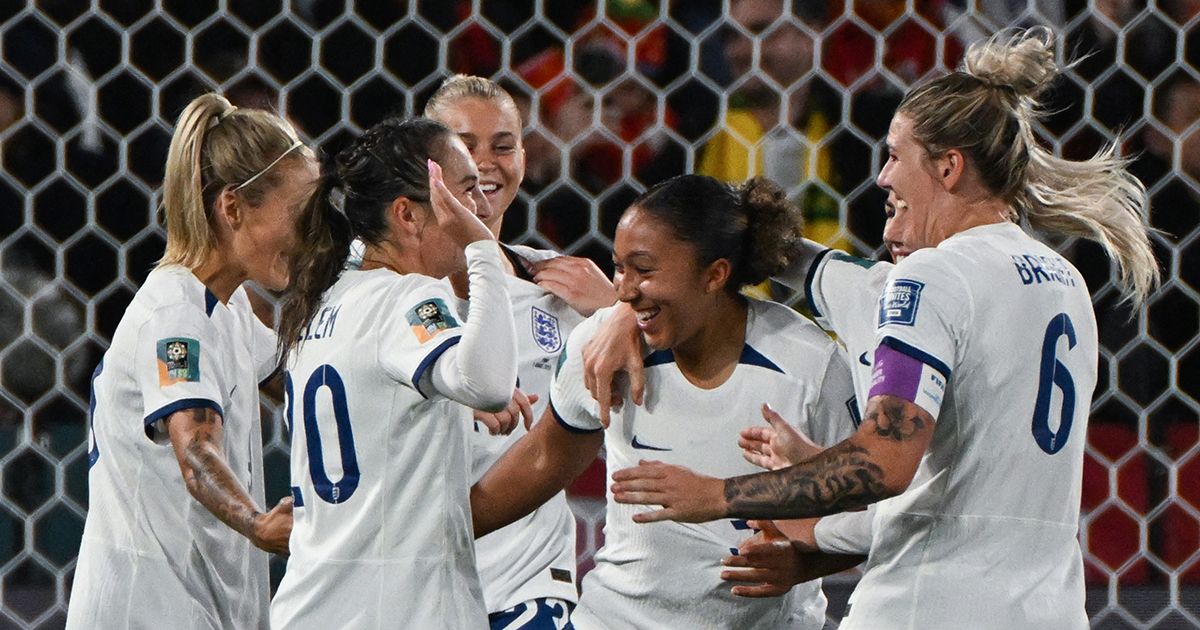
(619, 95)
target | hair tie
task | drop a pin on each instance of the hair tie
(220, 117)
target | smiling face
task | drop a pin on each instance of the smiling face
(491, 131)
(267, 231)
(916, 193)
(440, 256)
(660, 277)
(894, 238)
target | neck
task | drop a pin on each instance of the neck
(385, 255)
(964, 215)
(709, 357)
(220, 277)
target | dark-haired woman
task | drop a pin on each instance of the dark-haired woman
(682, 252)
(382, 373)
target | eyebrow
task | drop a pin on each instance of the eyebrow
(504, 135)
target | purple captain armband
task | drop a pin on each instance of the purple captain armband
(898, 373)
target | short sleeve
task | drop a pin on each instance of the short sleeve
(845, 532)
(842, 293)
(835, 413)
(922, 310)
(570, 401)
(177, 364)
(421, 324)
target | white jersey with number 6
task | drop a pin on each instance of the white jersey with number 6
(382, 534)
(985, 536)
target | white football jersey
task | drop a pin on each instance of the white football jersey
(985, 536)
(534, 556)
(152, 556)
(668, 574)
(382, 534)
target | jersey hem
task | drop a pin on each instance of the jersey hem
(916, 353)
(184, 403)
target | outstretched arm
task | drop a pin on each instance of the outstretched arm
(877, 462)
(537, 467)
(196, 437)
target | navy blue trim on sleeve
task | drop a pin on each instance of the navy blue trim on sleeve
(750, 356)
(428, 361)
(808, 280)
(297, 497)
(564, 424)
(918, 354)
(180, 405)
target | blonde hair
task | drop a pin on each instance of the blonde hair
(216, 145)
(462, 86)
(986, 110)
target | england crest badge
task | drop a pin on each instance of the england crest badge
(545, 330)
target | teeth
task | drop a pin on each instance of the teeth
(645, 316)
(487, 188)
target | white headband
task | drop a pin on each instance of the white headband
(294, 146)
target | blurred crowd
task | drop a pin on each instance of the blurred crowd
(615, 99)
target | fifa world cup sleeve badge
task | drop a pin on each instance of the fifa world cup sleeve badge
(429, 318)
(178, 361)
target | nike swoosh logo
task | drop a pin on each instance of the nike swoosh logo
(646, 447)
(862, 358)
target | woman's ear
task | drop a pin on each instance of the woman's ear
(406, 215)
(717, 275)
(950, 168)
(227, 209)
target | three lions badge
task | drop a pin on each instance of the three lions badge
(545, 330)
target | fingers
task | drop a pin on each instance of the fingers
(637, 383)
(285, 505)
(772, 418)
(489, 420)
(526, 408)
(759, 590)
(646, 469)
(654, 517)
(604, 398)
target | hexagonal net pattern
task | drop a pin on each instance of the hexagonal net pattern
(617, 95)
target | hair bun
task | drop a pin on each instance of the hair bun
(1022, 61)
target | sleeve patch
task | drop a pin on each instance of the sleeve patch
(178, 361)
(898, 304)
(429, 318)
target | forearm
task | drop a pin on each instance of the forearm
(794, 276)
(536, 468)
(196, 437)
(211, 482)
(875, 463)
(817, 564)
(481, 370)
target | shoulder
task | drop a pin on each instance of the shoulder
(786, 338)
(171, 285)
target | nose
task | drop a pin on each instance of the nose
(884, 179)
(626, 288)
(484, 160)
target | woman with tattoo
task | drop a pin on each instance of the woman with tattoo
(177, 391)
(984, 364)
(527, 569)
(682, 252)
(383, 370)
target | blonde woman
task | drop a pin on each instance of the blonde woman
(527, 569)
(985, 361)
(176, 535)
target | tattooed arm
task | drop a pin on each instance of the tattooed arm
(875, 463)
(196, 437)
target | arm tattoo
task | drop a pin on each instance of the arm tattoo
(844, 477)
(211, 481)
(895, 420)
(841, 478)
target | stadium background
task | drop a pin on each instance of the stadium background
(619, 95)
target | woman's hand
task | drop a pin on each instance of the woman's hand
(458, 221)
(777, 445)
(578, 281)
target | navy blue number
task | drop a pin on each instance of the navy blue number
(1054, 374)
(328, 490)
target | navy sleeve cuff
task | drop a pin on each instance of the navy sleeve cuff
(564, 424)
(179, 405)
(428, 361)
